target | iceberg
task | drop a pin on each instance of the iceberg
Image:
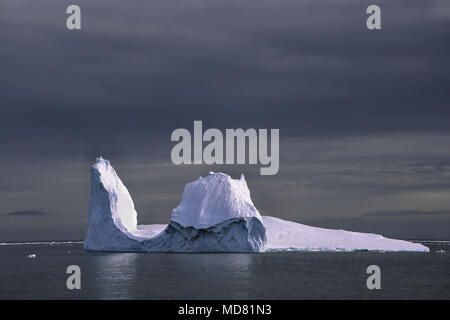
(216, 214)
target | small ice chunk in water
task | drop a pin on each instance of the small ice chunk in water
(31, 255)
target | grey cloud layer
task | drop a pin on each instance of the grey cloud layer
(312, 66)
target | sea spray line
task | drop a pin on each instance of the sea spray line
(49, 243)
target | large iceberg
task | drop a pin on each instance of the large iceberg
(216, 214)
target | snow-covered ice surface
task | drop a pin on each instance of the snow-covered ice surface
(149, 230)
(216, 214)
(285, 235)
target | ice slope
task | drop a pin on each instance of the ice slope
(285, 235)
(216, 214)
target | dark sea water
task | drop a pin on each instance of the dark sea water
(286, 275)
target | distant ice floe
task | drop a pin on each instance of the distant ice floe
(30, 243)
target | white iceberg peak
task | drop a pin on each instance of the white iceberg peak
(100, 160)
(213, 199)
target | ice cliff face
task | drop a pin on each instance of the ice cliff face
(234, 235)
(112, 217)
(216, 214)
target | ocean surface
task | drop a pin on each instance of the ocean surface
(281, 275)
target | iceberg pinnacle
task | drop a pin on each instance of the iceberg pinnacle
(112, 217)
(214, 199)
(216, 214)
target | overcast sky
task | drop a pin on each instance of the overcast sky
(363, 115)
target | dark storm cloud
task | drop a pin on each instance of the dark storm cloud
(312, 66)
